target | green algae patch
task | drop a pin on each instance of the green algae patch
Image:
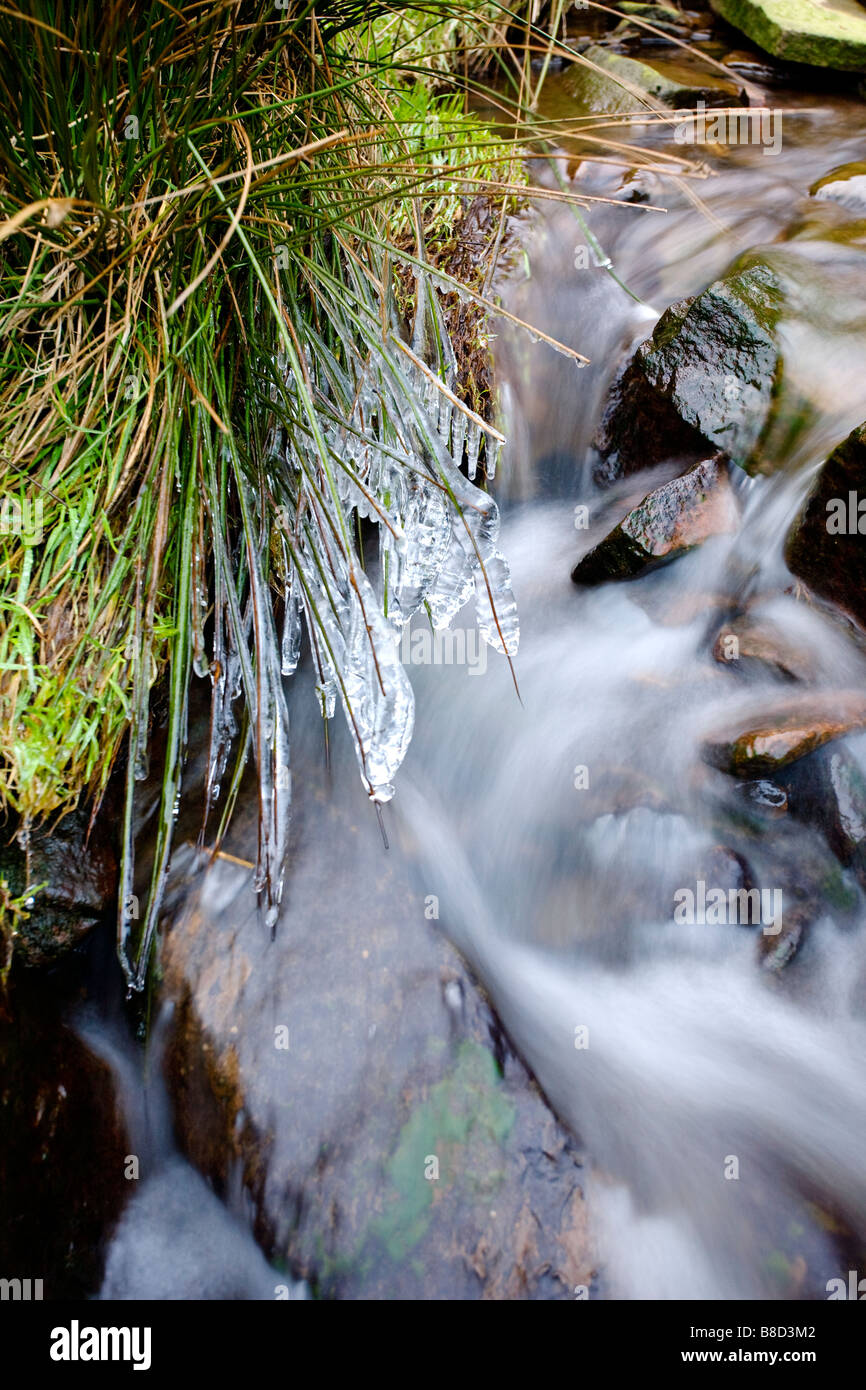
(451, 1143)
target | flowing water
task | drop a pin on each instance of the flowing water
(720, 1100)
(693, 1052)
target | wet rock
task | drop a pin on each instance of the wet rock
(748, 645)
(667, 24)
(615, 790)
(777, 951)
(790, 862)
(803, 31)
(627, 84)
(707, 376)
(671, 520)
(845, 186)
(828, 790)
(77, 864)
(63, 1149)
(392, 1144)
(637, 186)
(750, 66)
(678, 610)
(653, 14)
(791, 731)
(825, 545)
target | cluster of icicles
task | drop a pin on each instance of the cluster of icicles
(380, 435)
(401, 439)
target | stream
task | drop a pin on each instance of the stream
(694, 1053)
(714, 1086)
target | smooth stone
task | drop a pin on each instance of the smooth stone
(628, 84)
(352, 1074)
(746, 645)
(786, 733)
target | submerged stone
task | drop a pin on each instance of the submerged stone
(671, 520)
(825, 545)
(628, 84)
(824, 33)
(767, 798)
(748, 644)
(709, 375)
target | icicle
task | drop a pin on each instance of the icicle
(375, 691)
(498, 625)
(291, 644)
(492, 455)
(473, 443)
(458, 436)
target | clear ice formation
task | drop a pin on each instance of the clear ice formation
(395, 442)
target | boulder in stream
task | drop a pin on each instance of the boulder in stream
(825, 545)
(671, 520)
(618, 84)
(352, 1074)
(708, 376)
(765, 743)
(823, 33)
(828, 790)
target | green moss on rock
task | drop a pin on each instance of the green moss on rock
(803, 31)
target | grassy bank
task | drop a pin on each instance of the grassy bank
(215, 226)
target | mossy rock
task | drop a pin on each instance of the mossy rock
(71, 871)
(628, 84)
(845, 186)
(823, 34)
(709, 376)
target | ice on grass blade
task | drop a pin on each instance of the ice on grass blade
(270, 718)
(290, 650)
(356, 656)
(387, 444)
